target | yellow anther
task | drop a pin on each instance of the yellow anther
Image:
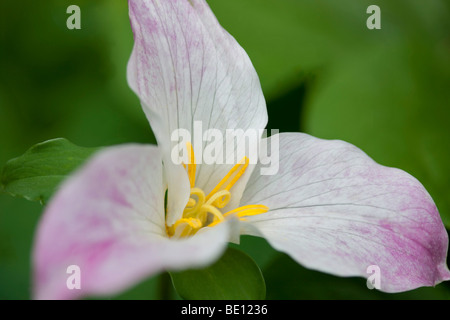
(191, 203)
(244, 164)
(203, 211)
(249, 210)
(220, 199)
(197, 204)
(214, 211)
(192, 166)
(183, 223)
(194, 223)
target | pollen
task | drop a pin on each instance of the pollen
(205, 210)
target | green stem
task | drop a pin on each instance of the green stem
(165, 286)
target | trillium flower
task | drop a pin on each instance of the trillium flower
(330, 207)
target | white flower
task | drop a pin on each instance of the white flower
(330, 207)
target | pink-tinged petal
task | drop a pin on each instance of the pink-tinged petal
(108, 219)
(334, 209)
(185, 68)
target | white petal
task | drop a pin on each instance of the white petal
(108, 219)
(185, 67)
(333, 209)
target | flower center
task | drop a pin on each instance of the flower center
(204, 210)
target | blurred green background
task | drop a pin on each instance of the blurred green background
(322, 72)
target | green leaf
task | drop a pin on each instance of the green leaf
(234, 277)
(302, 35)
(286, 279)
(36, 174)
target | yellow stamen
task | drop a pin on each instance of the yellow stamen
(184, 223)
(244, 163)
(197, 204)
(219, 199)
(214, 211)
(249, 210)
(203, 211)
(191, 203)
(192, 166)
(244, 211)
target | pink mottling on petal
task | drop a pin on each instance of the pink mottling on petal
(185, 68)
(108, 219)
(334, 209)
